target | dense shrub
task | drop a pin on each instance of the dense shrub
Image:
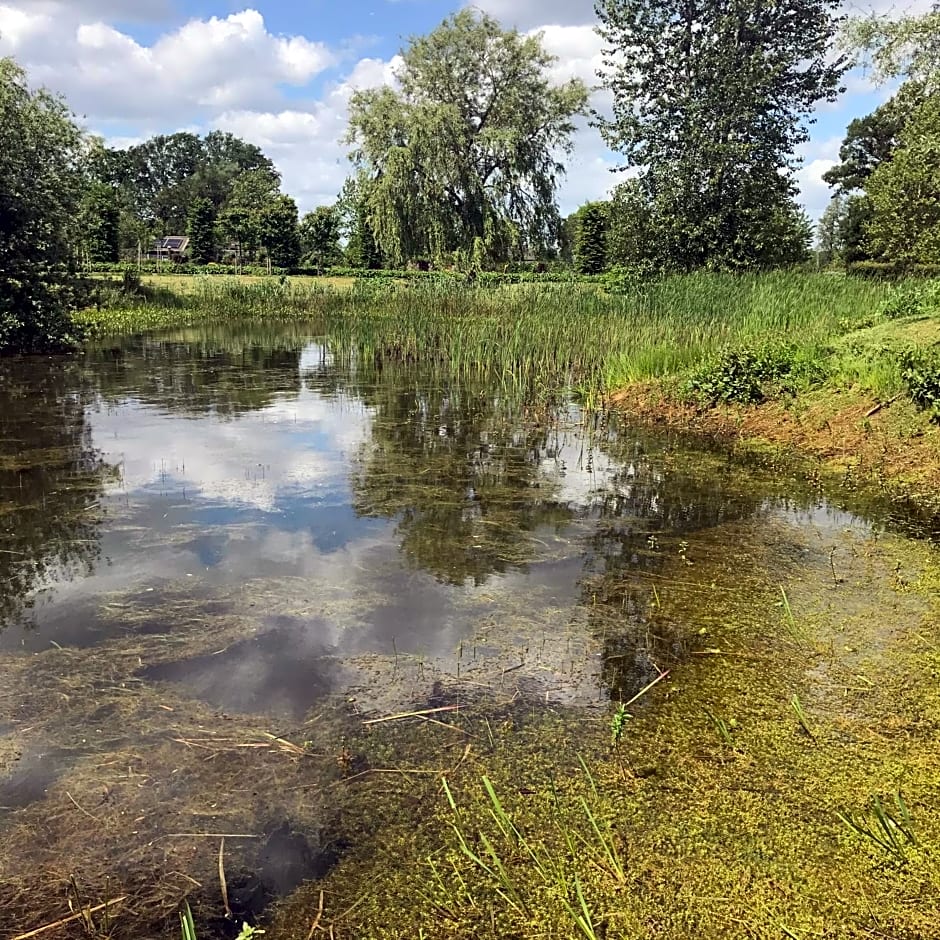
(889, 271)
(626, 279)
(914, 300)
(920, 372)
(750, 375)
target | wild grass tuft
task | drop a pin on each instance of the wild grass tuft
(188, 927)
(722, 728)
(521, 870)
(802, 717)
(891, 830)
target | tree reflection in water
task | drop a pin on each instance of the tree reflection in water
(51, 482)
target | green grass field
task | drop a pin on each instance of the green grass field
(193, 283)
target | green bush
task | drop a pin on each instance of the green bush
(890, 271)
(914, 300)
(920, 372)
(749, 375)
(627, 279)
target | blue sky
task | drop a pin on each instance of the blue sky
(279, 73)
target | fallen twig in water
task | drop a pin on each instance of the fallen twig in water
(385, 770)
(68, 920)
(316, 921)
(646, 688)
(212, 835)
(82, 809)
(222, 883)
(421, 714)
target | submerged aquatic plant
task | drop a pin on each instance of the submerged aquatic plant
(188, 927)
(516, 864)
(890, 830)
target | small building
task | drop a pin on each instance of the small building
(169, 248)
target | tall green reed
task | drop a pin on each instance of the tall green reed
(536, 335)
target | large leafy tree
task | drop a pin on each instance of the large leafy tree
(869, 142)
(467, 146)
(592, 223)
(241, 220)
(905, 193)
(319, 236)
(711, 100)
(352, 209)
(100, 220)
(906, 47)
(200, 226)
(630, 241)
(830, 232)
(41, 175)
(278, 231)
(902, 190)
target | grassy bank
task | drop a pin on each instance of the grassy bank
(597, 339)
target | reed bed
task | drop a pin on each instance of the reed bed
(538, 335)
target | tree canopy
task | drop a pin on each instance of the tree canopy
(466, 146)
(869, 141)
(591, 224)
(906, 47)
(710, 100)
(905, 193)
(42, 153)
(162, 177)
(319, 236)
(893, 155)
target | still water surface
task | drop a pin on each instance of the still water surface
(227, 526)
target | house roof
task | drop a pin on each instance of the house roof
(171, 243)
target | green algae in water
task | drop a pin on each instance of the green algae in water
(507, 570)
(746, 842)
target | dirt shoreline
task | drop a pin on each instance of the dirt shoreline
(839, 435)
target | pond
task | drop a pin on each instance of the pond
(246, 581)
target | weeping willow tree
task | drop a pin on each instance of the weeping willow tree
(906, 47)
(463, 154)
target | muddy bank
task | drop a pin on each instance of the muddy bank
(839, 436)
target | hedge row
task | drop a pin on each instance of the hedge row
(410, 274)
(157, 267)
(883, 269)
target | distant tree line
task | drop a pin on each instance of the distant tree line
(886, 200)
(219, 190)
(458, 165)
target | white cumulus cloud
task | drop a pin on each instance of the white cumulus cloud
(216, 63)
